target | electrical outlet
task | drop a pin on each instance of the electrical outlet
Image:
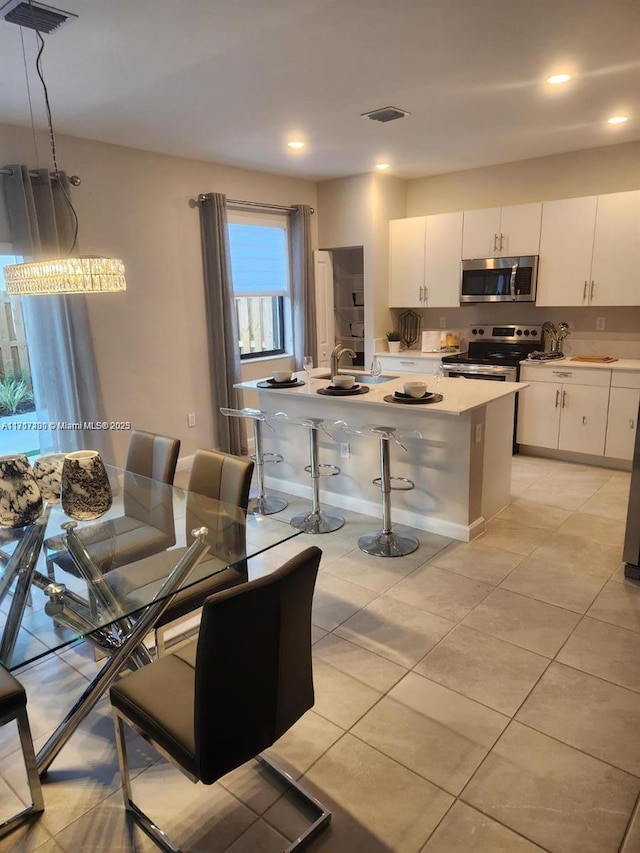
(345, 450)
(478, 436)
(600, 324)
(191, 419)
(443, 322)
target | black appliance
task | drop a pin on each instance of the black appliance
(494, 354)
(631, 551)
(499, 280)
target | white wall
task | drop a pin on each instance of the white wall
(150, 342)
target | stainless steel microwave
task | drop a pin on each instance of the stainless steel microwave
(499, 280)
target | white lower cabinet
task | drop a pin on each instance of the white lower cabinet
(408, 364)
(624, 401)
(564, 409)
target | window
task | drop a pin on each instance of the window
(259, 245)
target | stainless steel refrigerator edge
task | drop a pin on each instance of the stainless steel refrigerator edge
(631, 552)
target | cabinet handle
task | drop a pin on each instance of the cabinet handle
(593, 284)
(564, 397)
(557, 398)
(632, 423)
(407, 362)
(495, 242)
(420, 297)
(501, 239)
(584, 292)
(562, 373)
(584, 420)
(426, 295)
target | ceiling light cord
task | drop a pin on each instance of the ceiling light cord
(52, 138)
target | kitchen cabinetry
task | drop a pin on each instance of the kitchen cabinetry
(409, 362)
(497, 232)
(564, 409)
(624, 401)
(590, 251)
(425, 255)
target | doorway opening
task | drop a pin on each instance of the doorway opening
(348, 301)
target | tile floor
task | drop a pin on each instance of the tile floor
(471, 698)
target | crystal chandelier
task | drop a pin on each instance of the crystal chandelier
(70, 274)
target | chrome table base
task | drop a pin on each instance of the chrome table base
(317, 521)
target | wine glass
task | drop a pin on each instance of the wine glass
(375, 369)
(307, 364)
(438, 376)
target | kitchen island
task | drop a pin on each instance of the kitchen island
(458, 451)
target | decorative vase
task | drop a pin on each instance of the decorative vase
(394, 346)
(20, 498)
(85, 488)
(48, 473)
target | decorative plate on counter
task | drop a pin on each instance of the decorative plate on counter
(404, 399)
(332, 391)
(271, 383)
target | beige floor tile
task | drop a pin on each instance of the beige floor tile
(586, 712)
(317, 634)
(597, 528)
(439, 734)
(577, 553)
(557, 495)
(605, 650)
(340, 698)
(511, 536)
(632, 841)
(619, 604)
(607, 504)
(335, 600)
(534, 514)
(563, 587)
(441, 592)
(259, 838)
(477, 560)
(523, 621)
(377, 805)
(28, 837)
(364, 666)
(466, 830)
(486, 669)
(559, 798)
(397, 631)
(372, 573)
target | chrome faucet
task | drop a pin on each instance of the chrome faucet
(336, 355)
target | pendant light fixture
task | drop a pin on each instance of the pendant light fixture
(69, 274)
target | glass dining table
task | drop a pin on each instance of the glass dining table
(109, 581)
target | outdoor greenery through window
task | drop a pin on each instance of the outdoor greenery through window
(259, 246)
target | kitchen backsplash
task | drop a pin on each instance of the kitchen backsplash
(603, 343)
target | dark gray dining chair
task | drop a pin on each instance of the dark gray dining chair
(146, 525)
(231, 693)
(13, 706)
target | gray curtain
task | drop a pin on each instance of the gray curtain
(303, 286)
(224, 353)
(63, 366)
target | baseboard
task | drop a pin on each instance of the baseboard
(579, 458)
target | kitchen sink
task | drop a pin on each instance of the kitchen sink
(361, 378)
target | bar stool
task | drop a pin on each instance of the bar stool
(386, 543)
(13, 706)
(318, 520)
(262, 504)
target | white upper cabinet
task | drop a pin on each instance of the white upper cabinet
(406, 262)
(443, 247)
(590, 251)
(615, 270)
(424, 261)
(566, 248)
(497, 232)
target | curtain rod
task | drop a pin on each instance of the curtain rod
(233, 202)
(74, 180)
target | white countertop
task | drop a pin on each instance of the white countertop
(460, 395)
(630, 364)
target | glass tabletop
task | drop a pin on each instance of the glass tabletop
(59, 585)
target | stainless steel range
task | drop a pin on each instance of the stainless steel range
(495, 353)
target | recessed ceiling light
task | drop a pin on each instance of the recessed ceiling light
(617, 119)
(558, 79)
(382, 166)
(295, 143)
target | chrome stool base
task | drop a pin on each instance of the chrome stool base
(317, 522)
(383, 544)
(266, 504)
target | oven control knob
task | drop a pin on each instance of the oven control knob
(519, 332)
(526, 331)
(481, 331)
(474, 331)
(534, 332)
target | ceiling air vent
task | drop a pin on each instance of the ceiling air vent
(35, 16)
(386, 114)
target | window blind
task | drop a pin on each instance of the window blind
(259, 259)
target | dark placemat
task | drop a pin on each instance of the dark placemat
(433, 398)
(270, 383)
(330, 391)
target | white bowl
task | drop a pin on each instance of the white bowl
(415, 389)
(343, 381)
(282, 376)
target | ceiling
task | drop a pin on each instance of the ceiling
(230, 81)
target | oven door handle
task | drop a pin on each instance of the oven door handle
(512, 281)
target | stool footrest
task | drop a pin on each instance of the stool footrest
(324, 470)
(404, 483)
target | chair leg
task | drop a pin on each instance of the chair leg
(35, 789)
